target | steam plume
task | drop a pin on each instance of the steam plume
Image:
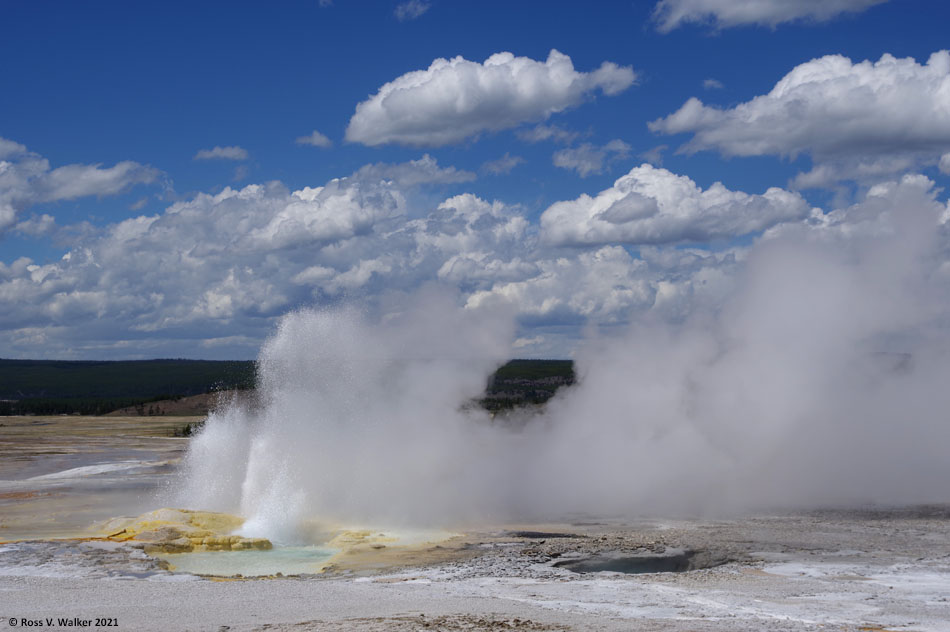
(820, 378)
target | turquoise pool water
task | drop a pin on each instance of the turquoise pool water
(289, 560)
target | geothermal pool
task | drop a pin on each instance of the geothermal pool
(289, 560)
(68, 478)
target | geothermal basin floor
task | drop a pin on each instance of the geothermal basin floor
(844, 570)
(868, 569)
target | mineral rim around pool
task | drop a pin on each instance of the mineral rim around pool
(205, 543)
(183, 531)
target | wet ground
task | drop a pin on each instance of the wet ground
(61, 475)
(869, 568)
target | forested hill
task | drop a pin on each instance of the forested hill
(96, 387)
(526, 383)
(135, 378)
(48, 387)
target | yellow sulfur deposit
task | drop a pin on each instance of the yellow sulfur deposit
(358, 539)
(182, 531)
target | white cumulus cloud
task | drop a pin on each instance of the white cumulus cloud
(945, 163)
(655, 206)
(670, 14)
(26, 179)
(502, 165)
(599, 285)
(586, 159)
(37, 226)
(540, 133)
(9, 148)
(314, 139)
(456, 99)
(410, 10)
(425, 170)
(853, 117)
(222, 153)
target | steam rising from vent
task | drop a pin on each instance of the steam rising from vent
(358, 421)
(822, 378)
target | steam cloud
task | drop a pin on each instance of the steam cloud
(821, 378)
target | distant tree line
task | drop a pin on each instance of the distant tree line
(61, 387)
(522, 383)
(140, 379)
(77, 405)
(53, 387)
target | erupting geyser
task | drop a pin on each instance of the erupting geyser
(819, 378)
(358, 422)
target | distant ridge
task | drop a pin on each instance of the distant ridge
(193, 406)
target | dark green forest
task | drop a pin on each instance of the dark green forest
(52, 387)
(55, 387)
(526, 383)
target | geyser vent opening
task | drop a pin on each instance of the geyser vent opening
(670, 561)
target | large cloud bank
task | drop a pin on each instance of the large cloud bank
(454, 99)
(239, 258)
(211, 274)
(854, 119)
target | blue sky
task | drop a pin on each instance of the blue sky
(493, 191)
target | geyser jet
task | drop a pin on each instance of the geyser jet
(358, 422)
